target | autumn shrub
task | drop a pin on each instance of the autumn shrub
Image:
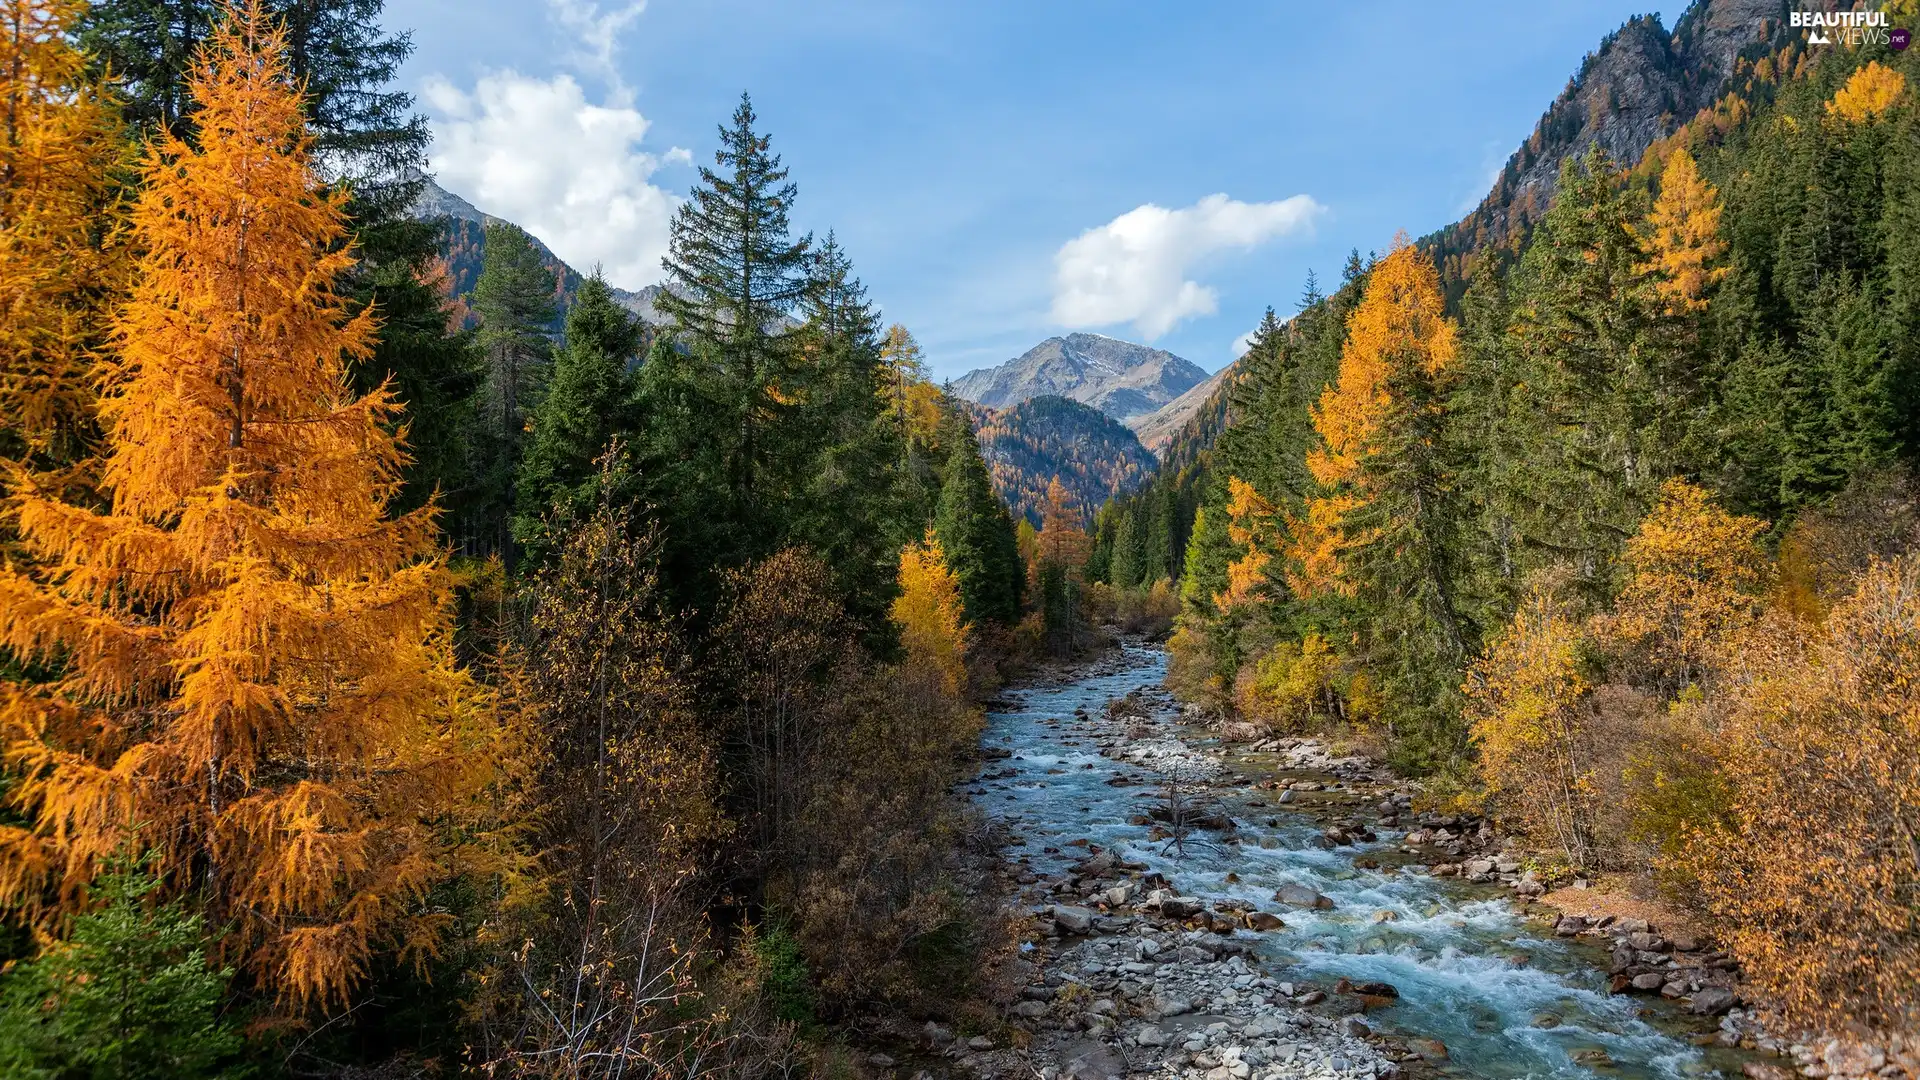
(1814, 868)
(619, 817)
(1531, 718)
(846, 769)
(1876, 516)
(872, 885)
(1193, 671)
(1290, 686)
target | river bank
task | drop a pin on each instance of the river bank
(1272, 911)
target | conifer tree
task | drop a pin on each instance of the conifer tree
(59, 145)
(588, 404)
(514, 300)
(126, 995)
(737, 274)
(255, 654)
(1600, 404)
(844, 500)
(975, 532)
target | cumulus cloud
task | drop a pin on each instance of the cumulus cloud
(568, 169)
(1242, 343)
(1134, 268)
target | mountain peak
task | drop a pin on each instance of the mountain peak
(1120, 378)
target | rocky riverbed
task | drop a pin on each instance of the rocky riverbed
(1270, 910)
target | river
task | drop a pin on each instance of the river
(1508, 999)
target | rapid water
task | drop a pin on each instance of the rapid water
(1508, 1001)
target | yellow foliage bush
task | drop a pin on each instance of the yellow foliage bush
(1527, 704)
(1193, 672)
(1814, 867)
(929, 614)
(1290, 686)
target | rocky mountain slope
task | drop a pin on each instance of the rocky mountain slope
(1637, 87)
(464, 240)
(1158, 428)
(1124, 380)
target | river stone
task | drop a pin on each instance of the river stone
(1430, 1050)
(1072, 920)
(1030, 1010)
(1652, 980)
(1765, 1070)
(1300, 896)
(1264, 920)
(1386, 915)
(1150, 1036)
(1712, 1001)
(1096, 1061)
(1592, 1057)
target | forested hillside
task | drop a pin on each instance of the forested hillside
(1049, 438)
(1621, 546)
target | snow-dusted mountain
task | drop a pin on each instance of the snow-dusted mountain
(1124, 380)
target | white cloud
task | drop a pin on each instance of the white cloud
(598, 31)
(571, 171)
(1242, 343)
(1134, 268)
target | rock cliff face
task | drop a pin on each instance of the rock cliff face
(1636, 88)
(463, 239)
(1117, 377)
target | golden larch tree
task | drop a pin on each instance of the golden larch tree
(1062, 542)
(929, 614)
(1400, 320)
(1695, 579)
(1249, 525)
(255, 664)
(1682, 235)
(1870, 92)
(59, 144)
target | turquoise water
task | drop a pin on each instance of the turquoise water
(1508, 1000)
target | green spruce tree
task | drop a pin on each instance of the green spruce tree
(588, 404)
(514, 301)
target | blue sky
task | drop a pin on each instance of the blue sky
(1002, 171)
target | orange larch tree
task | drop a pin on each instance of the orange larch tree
(929, 614)
(59, 145)
(1399, 327)
(1249, 526)
(1682, 235)
(255, 661)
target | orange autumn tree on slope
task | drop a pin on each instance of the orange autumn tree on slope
(1400, 325)
(254, 659)
(59, 144)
